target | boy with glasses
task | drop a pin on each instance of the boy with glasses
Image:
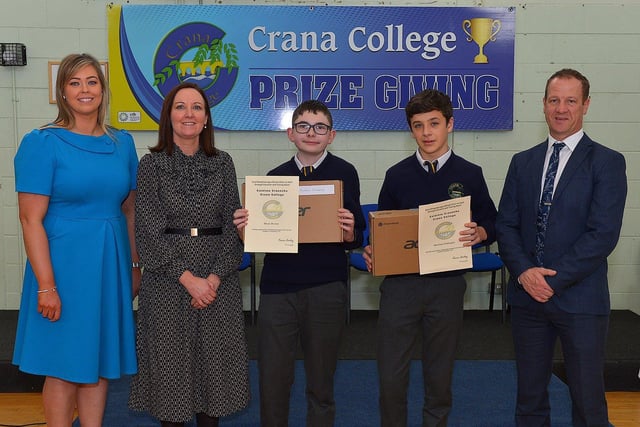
(303, 296)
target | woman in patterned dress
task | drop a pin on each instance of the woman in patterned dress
(190, 335)
(76, 180)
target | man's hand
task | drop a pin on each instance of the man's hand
(347, 224)
(473, 234)
(366, 254)
(533, 281)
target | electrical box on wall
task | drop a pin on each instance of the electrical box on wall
(13, 54)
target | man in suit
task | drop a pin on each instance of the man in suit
(555, 239)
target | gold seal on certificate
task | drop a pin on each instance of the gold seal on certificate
(272, 202)
(439, 226)
(272, 209)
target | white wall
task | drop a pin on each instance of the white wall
(599, 38)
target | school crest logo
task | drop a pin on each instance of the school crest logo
(196, 52)
(455, 190)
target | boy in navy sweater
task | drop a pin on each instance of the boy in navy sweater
(303, 296)
(430, 305)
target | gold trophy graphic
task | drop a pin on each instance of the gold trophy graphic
(483, 30)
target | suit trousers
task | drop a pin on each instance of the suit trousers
(316, 318)
(583, 339)
(412, 306)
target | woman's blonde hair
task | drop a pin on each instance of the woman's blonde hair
(69, 66)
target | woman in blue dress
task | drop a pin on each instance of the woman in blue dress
(76, 180)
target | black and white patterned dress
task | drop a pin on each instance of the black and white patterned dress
(190, 360)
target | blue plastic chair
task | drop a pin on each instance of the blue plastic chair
(355, 256)
(249, 261)
(489, 261)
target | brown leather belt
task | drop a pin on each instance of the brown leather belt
(194, 232)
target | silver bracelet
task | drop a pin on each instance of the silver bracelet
(44, 291)
(135, 265)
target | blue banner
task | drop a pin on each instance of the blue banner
(257, 63)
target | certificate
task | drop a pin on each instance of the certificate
(439, 226)
(272, 202)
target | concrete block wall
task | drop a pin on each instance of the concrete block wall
(599, 38)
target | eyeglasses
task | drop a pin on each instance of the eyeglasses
(318, 128)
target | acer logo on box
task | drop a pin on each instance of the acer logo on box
(303, 210)
(394, 241)
(411, 244)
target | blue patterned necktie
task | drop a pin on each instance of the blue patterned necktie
(545, 201)
(306, 170)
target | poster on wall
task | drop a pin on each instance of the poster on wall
(257, 63)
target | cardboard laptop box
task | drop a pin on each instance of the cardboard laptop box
(394, 241)
(318, 211)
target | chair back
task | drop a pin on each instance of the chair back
(246, 261)
(355, 257)
(481, 245)
(485, 260)
(369, 207)
(249, 261)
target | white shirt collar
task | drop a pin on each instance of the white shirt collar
(315, 165)
(570, 141)
(441, 160)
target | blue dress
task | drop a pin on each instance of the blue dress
(86, 178)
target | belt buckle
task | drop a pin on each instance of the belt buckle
(194, 232)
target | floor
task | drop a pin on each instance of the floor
(25, 409)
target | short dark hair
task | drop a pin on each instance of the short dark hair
(567, 73)
(429, 100)
(165, 133)
(315, 107)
